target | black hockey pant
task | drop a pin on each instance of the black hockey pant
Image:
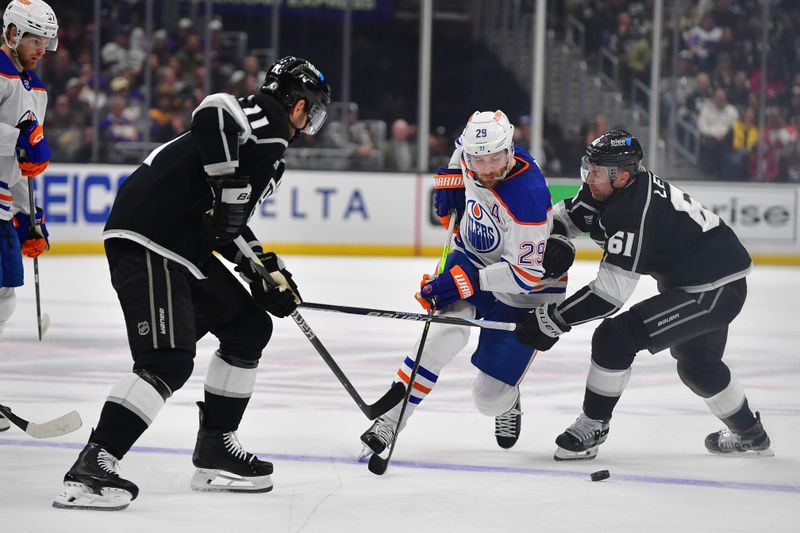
(694, 326)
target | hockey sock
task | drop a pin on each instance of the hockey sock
(603, 390)
(228, 387)
(8, 302)
(730, 405)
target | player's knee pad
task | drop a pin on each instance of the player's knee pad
(616, 341)
(8, 302)
(231, 376)
(172, 367)
(442, 344)
(493, 397)
(246, 336)
(142, 392)
(704, 378)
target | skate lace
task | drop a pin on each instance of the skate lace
(505, 425)
(384, 429)
(584, 428)
(233, 446)
(107, 462)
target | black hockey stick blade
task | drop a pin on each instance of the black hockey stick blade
(385, 403)
(52, 428)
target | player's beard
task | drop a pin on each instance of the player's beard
(27, 62)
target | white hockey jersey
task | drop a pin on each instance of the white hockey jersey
(22, 97)
(504, 233)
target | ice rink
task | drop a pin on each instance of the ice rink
(447, 474)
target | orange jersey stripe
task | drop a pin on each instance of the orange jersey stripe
(421, 388)
(525, 275)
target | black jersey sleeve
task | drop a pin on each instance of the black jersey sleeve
(579, 213)
(219, 126)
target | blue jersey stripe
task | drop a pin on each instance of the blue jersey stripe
(422, 371)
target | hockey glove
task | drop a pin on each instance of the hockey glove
(458, 281)
(558, 256)
(231, 209)
(281, 299)
(541, 327)
(33, 152)
(449, 195)
(33, 240)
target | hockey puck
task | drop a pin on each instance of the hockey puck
(600, 475)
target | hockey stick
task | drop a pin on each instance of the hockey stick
(42, 321)
(52, 428)
(372, 411)
(377, 464)
(402, 315)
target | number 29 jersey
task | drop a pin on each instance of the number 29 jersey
(652, 227)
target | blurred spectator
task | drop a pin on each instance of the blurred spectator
(349, 135)
(596, 129)
(792, 163)
(702, 40)
(701, 94)
(745, 139)
(115, 128)
(64, 129)
(779, 138)
(715, 124)
(739, 93)
(440, 148)
(400, 150)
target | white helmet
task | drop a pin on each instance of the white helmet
(487, 133)
(31, 16)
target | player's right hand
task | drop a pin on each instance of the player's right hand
(449, 195)
(231, 208)
(33, 239)
(281, 300)
(33, 152)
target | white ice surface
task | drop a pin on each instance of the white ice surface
(448, 473)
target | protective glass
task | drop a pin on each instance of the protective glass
(487, 164)
(316, 118)
(37, 41)
(593, 173)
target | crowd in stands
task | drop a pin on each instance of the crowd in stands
(718, 79)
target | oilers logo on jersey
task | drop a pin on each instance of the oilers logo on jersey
(482, 231)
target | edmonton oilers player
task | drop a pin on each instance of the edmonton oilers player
(497, 270)
(648, 226)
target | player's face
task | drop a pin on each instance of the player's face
(598, 180)
(31, 49)
(488, 168)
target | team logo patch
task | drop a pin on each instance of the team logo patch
(482, 231)
(143, 327)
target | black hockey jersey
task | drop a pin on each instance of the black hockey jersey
(654, 228)
(162, 204)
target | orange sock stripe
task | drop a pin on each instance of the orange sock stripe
(417, 386)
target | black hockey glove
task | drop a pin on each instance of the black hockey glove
(228, 216)
(558, 256)
(279, 298)
(541, 327)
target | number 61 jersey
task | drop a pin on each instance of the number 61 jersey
(654, 228)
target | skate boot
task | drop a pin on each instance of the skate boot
(508, 426)
(224, 466)
(753, 441)
(582, 439)
(378, 437)
(4, 423)
(93, 483)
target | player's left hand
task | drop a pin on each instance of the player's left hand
(33, 152)
(559, 255)
(458, 281)
(33, 240)
(280, 301)
(449, 195)
(541, 327)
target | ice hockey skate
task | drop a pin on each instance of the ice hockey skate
(378, 437)
(507, 426)
(753, 441)
(582, 439)
(93, 483)
(4, 423)
(224, 466)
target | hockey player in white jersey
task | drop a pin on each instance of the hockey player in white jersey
(497, 269)
(29, 31)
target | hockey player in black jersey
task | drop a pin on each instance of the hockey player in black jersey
(190, 197)
(648, 226)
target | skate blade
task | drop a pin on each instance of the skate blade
(79, 496)
(365, 453)
(209, 480)
(567, 455)
(747, 453)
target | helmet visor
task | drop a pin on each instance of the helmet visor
(316, 118)
(591, 173)
(487, 164)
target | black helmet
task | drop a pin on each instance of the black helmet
(616, 148)
(292, 79)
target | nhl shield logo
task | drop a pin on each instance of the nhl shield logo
(143, 327)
